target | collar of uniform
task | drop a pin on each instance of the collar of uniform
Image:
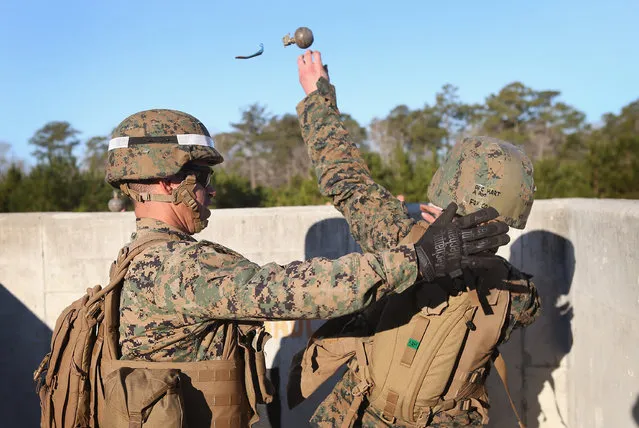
(151, 225)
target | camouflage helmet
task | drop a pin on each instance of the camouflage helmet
(155, 144)
(482, 172)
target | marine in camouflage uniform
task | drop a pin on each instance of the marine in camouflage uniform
(179, 297)
(379, 221)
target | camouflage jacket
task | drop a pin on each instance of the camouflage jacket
(378, 221)
(178, 296)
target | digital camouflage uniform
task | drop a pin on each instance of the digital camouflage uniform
(178, 296)
(378, 221)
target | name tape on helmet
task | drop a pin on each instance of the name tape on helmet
(181, 139)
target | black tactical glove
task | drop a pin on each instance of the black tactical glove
(450, 244)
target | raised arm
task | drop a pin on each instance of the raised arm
(377, 220)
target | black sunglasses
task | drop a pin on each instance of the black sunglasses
(202, 174)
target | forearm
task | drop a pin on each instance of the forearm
(314, 289)
(376, 218)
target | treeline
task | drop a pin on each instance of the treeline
(267, 164)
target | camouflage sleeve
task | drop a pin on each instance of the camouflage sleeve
(525, 306)
(377, 219)
(225, 285)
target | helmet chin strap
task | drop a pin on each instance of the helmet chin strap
(183, 194)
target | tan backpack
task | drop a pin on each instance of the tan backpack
(429, 352)
(82, 376)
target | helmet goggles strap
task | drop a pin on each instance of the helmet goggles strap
(183, 194)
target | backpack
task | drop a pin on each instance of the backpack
(82, 376)
(426, 352)
(65, 375)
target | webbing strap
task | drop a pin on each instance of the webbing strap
(143, 197)
(251, 393)
(474, 297)
(95, 375)
(364, 366)
(224, 399)
(351, 414)
(388, 414)
(135, 419)
(361, 388)
(127, 254)
(500, 366)
(421, 324)
(216, 376)
(227, 422)
(195, 374)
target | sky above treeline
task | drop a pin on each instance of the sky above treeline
(94, 63)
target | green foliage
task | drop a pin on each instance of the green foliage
(556, 178)
(55, 141)
(534, 119)
(234, 191)
(301, 191)
(58, 186)
(95, 155)
(416, 133)
(52, 187)
(613, 155)
(403, 177)
(95, 193)
(267, 162)
(11, 186)
(56, 183)
(614, 167)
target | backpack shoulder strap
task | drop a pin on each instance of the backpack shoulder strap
(500, 366)
(111, 293)
(125, 256)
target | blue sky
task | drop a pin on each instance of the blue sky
(94, 63)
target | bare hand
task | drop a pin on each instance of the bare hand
(430, 212)
(310, 69)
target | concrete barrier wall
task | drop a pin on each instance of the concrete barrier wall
(577, 366)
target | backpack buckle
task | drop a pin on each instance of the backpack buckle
(477, 376)
(124, 251)
(260, 338)
(464, 405)
(255, 338)
(361, 388)
(388, 419)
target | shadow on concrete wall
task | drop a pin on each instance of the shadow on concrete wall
(635, 411)
(550, 258)
(25, 340)
(330, 238)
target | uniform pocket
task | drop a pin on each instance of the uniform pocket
(136, 398)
